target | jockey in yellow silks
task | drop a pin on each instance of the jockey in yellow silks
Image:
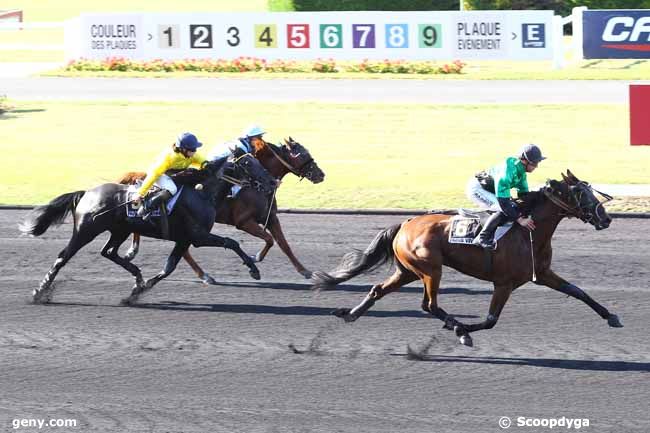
(180, 156)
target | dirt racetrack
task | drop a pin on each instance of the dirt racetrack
(196, 358)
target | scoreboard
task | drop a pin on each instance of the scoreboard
(428, 35)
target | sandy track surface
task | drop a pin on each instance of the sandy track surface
(195, 358)
(338, 91)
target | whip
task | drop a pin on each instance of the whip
(113, 208)
(532, 255)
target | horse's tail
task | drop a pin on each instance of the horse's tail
(131, 177)
(358, 262)
(54, 212)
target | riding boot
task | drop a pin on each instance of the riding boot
(152, 202)
(486, 237)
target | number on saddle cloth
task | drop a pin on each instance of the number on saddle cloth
(132, 211)
(466, 227)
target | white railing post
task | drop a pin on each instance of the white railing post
(576, 14)
(558, 42)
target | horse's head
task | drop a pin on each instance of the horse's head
(251, 172)
(578, 199)
(300, 161)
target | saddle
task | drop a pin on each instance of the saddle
(132, 212)
(466, 226)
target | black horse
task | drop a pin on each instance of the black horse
(102, 209)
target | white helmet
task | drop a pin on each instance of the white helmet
(253, 130)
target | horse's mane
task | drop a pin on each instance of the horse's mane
(529, 200)
(131, 177)
(268, 148)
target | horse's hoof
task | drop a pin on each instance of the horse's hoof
(130, 255)
(207, 279)
(344, 313)
(255, 273)
(466, 340)
(258, 257)
(254, 259)
(128, 301)
(613, 321)
(306, 273)
(43, 296)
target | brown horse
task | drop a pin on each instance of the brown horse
(420, 246)
(252, 211)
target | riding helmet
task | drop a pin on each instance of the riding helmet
(253, 131)
(188, 141)
(532, 153)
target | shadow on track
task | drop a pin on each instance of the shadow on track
(344, 287)
(565, 364)
(297, 310)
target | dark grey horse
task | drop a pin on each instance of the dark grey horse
(102, 209)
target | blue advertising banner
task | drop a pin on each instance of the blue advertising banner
(616, 34)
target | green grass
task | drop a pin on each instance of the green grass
(374, 156)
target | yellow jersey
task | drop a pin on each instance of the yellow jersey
(169, 160)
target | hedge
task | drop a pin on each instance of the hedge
(252, 64)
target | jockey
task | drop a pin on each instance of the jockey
(180, 156)
(491, 190)
(244, 144)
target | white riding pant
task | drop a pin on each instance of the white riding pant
(166, 182)
(482, 198)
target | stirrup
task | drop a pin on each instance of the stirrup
(144, 213)
(484, 244)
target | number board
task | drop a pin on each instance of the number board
(421, 35)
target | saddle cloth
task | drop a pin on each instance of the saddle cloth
(132, 212)
(466, 226)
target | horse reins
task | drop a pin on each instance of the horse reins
(576, 211)
(237, 182)
(298, 171)
(234, 180)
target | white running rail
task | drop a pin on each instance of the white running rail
(29, 26)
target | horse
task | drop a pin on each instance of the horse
(252, 211)
(420, 247)
(102, 209)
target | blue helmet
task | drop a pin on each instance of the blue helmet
(188, 141)
(253, 131)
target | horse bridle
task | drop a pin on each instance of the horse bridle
(575, 195)
(299, 171)
(244, 183)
